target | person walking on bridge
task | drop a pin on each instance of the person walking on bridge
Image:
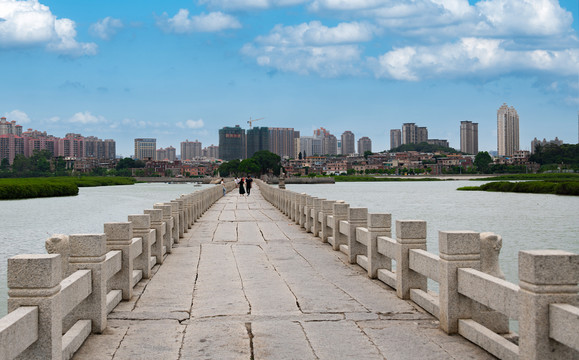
(248, 182)
(241, 187)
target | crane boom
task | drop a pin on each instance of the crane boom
(250, 121)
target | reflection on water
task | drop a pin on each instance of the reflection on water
(26, 224)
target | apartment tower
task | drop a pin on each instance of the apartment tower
(145, 148)
(348, 143)
(364, 144)
(507, 131)
(469, 137)
(395, 138)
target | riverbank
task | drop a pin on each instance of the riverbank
(529, 187)
(29, 188)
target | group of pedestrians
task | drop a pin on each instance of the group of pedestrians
(244, 185)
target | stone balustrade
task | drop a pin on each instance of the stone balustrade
(472, 300)
(57, 299)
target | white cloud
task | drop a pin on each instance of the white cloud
(29, 23)
(181, 23)
(86, 118)
(191, 124)
(312, 48)
(106, 28)
(471, 57)
(19, 116)
(250, 4)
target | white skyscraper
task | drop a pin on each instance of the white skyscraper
(507, 131)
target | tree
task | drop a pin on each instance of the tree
(249, 166)
(482, 161)
(4, 164)
(267, 161)
(366, 154)
(300, 155)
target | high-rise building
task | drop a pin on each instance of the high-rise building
(310, 146)
(412, 134)
(348, 143)
(145, 148)
(395, 138)
(232, 143)
(257, 140)
(190, 150)
(507, 131)
(110, 149)
(329, 145)
(469, 137)
(72, 145)
(364, 144)
(536, 142)
(281, 141)
(211, 152)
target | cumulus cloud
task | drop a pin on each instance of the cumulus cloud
(29, 23)
(191, 124)
(86, 117)
(19, 116)
(182, 23)
(106, 28)
(311, 48)
(250, 4)
(471, 57)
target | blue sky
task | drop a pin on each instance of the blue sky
(183, 69)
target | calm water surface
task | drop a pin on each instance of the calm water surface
(26, 224)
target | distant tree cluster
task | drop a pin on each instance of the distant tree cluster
(41, 163)
(262, 162)
(567, 154)
(424, 148)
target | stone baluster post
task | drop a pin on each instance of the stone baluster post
(88, 252)
(142, 229)
(357, 217)
(176, 221)
(327, 210)
(292, 207)
(410, 234)
(188, 206)
(301, 219)
(316, 216)
(308, 212)
(34, 280)
(545, 277)
(120, 237)
(458, 249)
(168, 221)
(159, 226)
(181, 211)
(378, 225)
(341, 211)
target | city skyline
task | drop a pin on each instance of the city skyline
(184, 70)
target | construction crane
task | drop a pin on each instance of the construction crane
(250, 121)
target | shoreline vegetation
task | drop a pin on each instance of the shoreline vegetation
(28, 188)
(554, 183)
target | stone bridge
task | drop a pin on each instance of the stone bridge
(232, 277)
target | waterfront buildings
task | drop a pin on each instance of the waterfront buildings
(364, 144)
(281, 141)
(211, 152)
(145, 148)
(395, 138)
(166, 154)
(232, 143)
(507, 131)
(348, 143)
(469, 137)
(190, 150)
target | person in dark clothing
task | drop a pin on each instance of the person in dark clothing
(248, 182)
(241, 187)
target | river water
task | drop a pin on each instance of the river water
(525, 221)
(26, 224)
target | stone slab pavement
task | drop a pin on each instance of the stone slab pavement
(247, 283)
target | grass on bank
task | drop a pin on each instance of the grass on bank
(343, 178)
(553, 177)
(559, 187)
(27, 188)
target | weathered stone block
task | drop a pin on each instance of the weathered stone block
(29, 271)
(549, 267)
(140, 221)
(410, 229)
(459, 242)
(118, 231)
(87, 245)
(155, 214)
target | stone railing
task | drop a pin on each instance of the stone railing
(57, 299)
(473, 299)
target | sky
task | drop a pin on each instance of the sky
(181, 70)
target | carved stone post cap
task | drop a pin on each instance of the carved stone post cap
(341, 209)
(155, 214)
(340, 201)
(379, 220)
(164, 207)
(549, 267)
(119, 231)
(174, 205)
(140, 221)
(410, 229)
(459, 242)
(357, 214)
(328, 204)
(29, 271)
(87, 245)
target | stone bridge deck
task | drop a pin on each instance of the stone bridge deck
(246, 283)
